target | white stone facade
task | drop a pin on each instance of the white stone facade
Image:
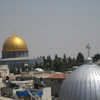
(46, 93)
(4, 70)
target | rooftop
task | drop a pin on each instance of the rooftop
(58, 76)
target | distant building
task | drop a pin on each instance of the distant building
(5, 98)
(97, 62)
(35, 94)
(75, 67)
(82, 84)
(15, 53)
(45, 78)
(57, 76)
(4, 71)
(55, 82)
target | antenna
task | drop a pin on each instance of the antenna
(88, 47)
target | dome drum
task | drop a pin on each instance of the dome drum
(14, 54)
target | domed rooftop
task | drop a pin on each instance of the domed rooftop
(15, 43)
(39, 69)
(82, 84)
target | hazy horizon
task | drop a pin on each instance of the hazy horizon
(52, 27)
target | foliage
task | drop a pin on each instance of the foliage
(80, 59)
(96, 57)
(60, 64)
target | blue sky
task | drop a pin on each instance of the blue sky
(52, 26)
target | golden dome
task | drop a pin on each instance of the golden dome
(15, 43)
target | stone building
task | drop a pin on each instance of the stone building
(15, 53)
(82, 84)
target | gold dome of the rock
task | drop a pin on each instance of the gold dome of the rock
(15, 43)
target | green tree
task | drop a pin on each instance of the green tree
(56, 56)
(65, 59)
(96, 57)
(69, 62)
(58, 64)
(49, 62)
(73, 62)
(80, 59)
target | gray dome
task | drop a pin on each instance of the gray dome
(82, 84)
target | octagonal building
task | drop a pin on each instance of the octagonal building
(14, 47)
(15, 53)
